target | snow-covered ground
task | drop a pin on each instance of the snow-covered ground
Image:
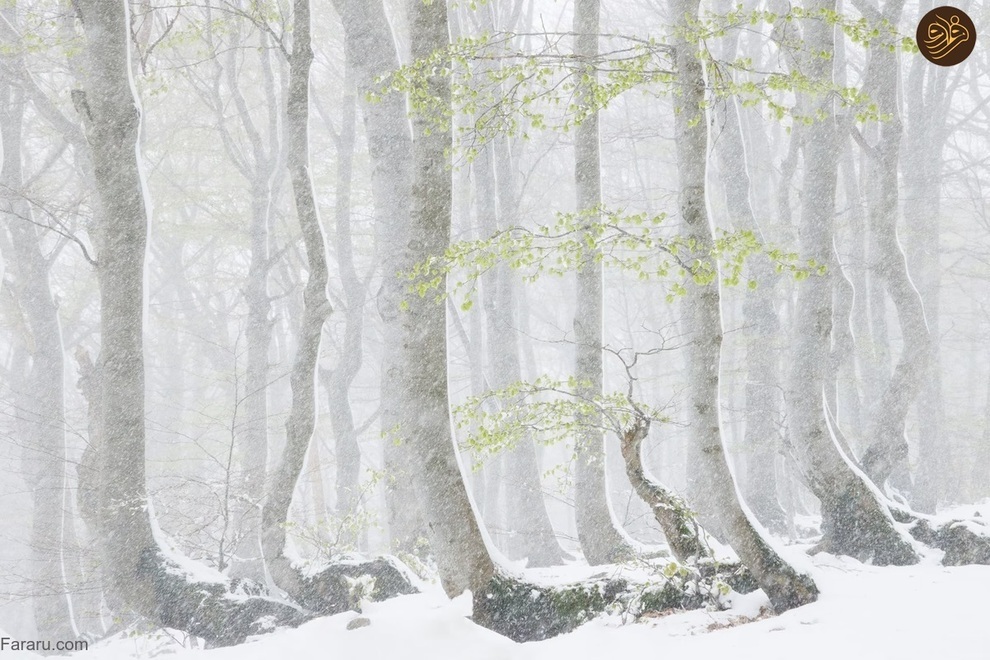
(925, 611)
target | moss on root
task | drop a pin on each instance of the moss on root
(226, 613)
(339, 587)
(211, 610)
(525, 611)
(961, 545)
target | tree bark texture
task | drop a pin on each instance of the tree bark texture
(302, 414)
(455, 537)
(372, 52)
(855, 521)
(718, 498)
(144, 579)
(600, 540)
(888, 448)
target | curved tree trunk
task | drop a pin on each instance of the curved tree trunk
(762, 402)
(144, 579)
(681, 531)
(302, 415)
(888, 448)
(785, 587)
(855, 520)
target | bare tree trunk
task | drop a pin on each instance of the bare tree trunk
(42, 411)
(143, 579)
(855, 521)
(888, 446)
(862, 367)
(338, 380)
(372, 52)
(927, 107)
(762, 400)
(258, 163)
(671, 512)
(600, 540)
(455, 538)
(719, 500)
(302, 415)
(530, 534)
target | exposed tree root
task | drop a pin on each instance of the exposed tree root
(526, 612)
(227, 613)
(341, 586)
(221, 613)
(962, 546)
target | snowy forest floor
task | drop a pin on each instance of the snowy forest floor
(923, 611)
(926, 611)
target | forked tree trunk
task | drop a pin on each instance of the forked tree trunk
(42, 412)
(719, 499)
(600, 540)
(855, 520)
(888, 448)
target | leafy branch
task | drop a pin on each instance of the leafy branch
(635, 243)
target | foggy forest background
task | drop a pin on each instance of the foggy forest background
(761, 226)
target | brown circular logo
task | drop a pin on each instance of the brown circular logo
(946, 36)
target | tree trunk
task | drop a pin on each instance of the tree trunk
(42, 411)
(762, 402)
(340, 378)
(259, 164)
(855, 521)
(600, 539)
(888, 448)
(372, 52)
(530, 534)
(785, 587)
(927, 106)
(144, 578)
(302, 415)
(455, 538)
(679, 527)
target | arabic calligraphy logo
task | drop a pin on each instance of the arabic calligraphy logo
(946, 36)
